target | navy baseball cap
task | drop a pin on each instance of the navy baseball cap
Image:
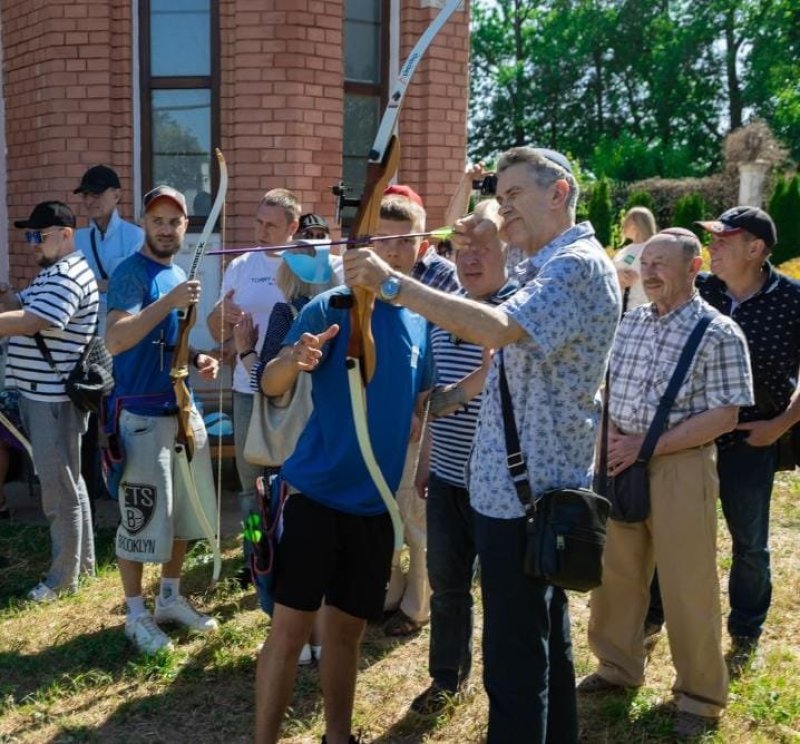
(98, 179)
(752, 219)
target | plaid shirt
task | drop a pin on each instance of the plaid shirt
(646, 351)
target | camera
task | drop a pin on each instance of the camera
(487, 186)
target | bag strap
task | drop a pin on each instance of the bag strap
(514, 459)
(45, 352)
(601, 482)
(103, 274)
(675, 382)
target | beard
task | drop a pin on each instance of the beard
(161, 251)
(43, 262)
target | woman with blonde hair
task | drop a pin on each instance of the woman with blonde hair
(638, 226)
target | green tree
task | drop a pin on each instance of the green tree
(600, 211)
(784, 208)
(688, 210)
(640, 199)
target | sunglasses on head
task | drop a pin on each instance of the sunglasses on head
(37, 237)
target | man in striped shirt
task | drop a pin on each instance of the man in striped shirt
(455, 403)
(61, 305)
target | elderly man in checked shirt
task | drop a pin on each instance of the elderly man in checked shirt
(679, 535)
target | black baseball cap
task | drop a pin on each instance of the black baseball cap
(752, 219)
(310, 220)
(97, 179)
(48, 214)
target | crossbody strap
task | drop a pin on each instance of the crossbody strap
(675, 382)
(514, 458)
(48, 357)
(103, 274)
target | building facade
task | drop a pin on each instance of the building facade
(290, 90)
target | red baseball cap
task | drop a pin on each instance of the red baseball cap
(406, 191)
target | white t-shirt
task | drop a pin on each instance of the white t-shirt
(630, 257)
(252, 276)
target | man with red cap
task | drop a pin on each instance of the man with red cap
(159, 514)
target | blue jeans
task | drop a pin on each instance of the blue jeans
(527, 651)
(451, 562)
(746, 475)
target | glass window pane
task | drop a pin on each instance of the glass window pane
(181, 121)
(362, 47)
(180, 37)
(361, 119)
(363, 10)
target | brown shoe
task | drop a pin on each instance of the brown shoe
(690, 725)
(594, 684)
(401, 624)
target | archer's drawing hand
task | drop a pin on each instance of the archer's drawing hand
(307, 350)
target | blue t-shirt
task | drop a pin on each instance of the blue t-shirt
(327, 465)
(143, 370)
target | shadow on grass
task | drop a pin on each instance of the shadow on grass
(624, 716)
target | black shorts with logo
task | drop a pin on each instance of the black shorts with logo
(324, 553)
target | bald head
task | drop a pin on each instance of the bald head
(669, 264)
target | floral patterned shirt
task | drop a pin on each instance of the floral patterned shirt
(569, 305)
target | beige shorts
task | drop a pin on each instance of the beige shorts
(154, 499)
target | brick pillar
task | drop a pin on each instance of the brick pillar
(433, 121)
(282, 103)
(67, 92)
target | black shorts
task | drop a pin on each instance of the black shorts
(344, 558)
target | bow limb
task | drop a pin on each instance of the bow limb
(17, 434)
(384, 158)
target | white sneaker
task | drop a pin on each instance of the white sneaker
(42, 593)
(148, 638)
(180, 612)
(305, 656)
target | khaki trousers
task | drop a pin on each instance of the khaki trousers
(679, 537)
(411, 591)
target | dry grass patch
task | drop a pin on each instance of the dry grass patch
(67, 674)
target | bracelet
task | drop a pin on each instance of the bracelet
(247, 353)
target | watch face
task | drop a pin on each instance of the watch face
(390, 288)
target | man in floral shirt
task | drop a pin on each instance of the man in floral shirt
(555, 334)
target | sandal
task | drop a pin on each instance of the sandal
(401, 624)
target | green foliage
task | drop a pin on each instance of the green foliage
(635, 90)
(688, 210)
(640, 199)
(600, 211)
(784, 208)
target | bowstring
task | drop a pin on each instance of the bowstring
(220, 397)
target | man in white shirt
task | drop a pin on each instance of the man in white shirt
(249, 288)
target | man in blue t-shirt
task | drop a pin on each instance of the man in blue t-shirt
(161, 505)
(337, 538)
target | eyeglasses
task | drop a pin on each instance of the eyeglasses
(314, 234)
(37, 237)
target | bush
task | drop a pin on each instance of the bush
(784, 208)
(600, 211)
(689, 209)
(640, 199)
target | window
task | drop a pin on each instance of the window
(180, 94)
(366, 40)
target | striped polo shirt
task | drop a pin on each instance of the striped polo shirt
(65, 294)
(452, 435)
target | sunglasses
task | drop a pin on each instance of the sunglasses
(314, 234)
(37, 237)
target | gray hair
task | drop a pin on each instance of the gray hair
(293, 286)
(545, 171)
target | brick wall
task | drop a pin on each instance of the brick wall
(68, 104)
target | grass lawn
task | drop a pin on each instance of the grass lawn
(68, 675)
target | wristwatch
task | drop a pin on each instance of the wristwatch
(389, 289)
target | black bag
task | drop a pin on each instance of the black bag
(566, 532)
(629, 491)
(566, 527)
(91, 379)
(789, 449)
